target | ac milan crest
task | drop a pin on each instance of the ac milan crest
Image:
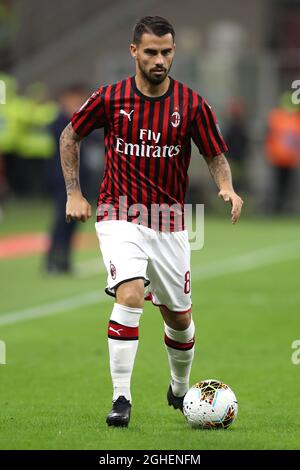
(175, 119)
(113, 271)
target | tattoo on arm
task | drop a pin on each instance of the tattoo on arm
(69, 157)
(220, 171)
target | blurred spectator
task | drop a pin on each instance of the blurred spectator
(236, 137)
(58, 259)
(282, 147)
(9, 116)
(24, 135)
(8, 132)
(38, 113)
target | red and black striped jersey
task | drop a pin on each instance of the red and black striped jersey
(148, 149)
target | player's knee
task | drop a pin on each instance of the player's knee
(131, 299)
(131, 294)
(181, 321)
(177, 321)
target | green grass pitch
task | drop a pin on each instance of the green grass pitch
(55, 389)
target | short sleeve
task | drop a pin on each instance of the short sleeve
(206, 132)
(91, 115)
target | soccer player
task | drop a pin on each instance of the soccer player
(149, 120)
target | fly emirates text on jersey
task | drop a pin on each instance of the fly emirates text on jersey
(146, 150)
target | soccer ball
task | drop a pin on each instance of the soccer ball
(210, 404)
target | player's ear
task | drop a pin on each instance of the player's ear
(133, 50)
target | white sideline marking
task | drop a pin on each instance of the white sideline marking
(247, 261)
(52, 308)
(89, 268)
(242, 262)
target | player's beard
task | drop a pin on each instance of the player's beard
(151, 77)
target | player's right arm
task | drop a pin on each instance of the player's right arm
(77, 207)
(90, 116)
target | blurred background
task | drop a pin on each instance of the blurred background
(243, 58)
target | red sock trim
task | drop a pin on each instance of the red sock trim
(122, 332)
(181, 346)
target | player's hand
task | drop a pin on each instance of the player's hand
(77, 208)
(236, 203)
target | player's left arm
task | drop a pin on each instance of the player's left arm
(209, 140)
(220, 171)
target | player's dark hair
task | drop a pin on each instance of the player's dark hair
(152, 25)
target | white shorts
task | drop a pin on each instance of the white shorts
(131, 251)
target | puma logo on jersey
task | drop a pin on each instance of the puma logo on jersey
(116, 331)
(122, 111)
